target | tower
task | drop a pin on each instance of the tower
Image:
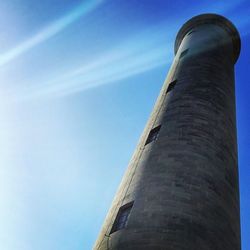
(180, 191)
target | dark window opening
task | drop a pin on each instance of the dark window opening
(171, 85)
(153, 134)
(190, 32)
(122, 217)
(183, 53)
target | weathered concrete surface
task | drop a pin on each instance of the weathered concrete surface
(185, 184)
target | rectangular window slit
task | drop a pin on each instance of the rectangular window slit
(183, 53)
(153, 134)
(190, 32)
(122, 217)
(171, 85)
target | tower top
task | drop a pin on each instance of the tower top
(210, 19)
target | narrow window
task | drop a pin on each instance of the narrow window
(171, 85)
(153, 134)
(183, 53)
(190, 32)
(122, 217)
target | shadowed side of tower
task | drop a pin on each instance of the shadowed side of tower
(180, 191)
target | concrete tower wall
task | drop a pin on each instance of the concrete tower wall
(183, 178)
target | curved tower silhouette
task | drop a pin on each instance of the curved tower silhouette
(180, 191)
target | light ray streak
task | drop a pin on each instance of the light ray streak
(50, 31)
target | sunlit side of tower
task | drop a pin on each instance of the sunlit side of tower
(180, 191)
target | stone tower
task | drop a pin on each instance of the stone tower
(181, 190)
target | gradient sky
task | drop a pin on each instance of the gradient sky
(78, 80)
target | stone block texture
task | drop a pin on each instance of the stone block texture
(184, 183)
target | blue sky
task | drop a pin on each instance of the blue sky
(78, 80)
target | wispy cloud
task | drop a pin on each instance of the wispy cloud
(49, 31)
(136, 55)
(149, 49)
(106, 73)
